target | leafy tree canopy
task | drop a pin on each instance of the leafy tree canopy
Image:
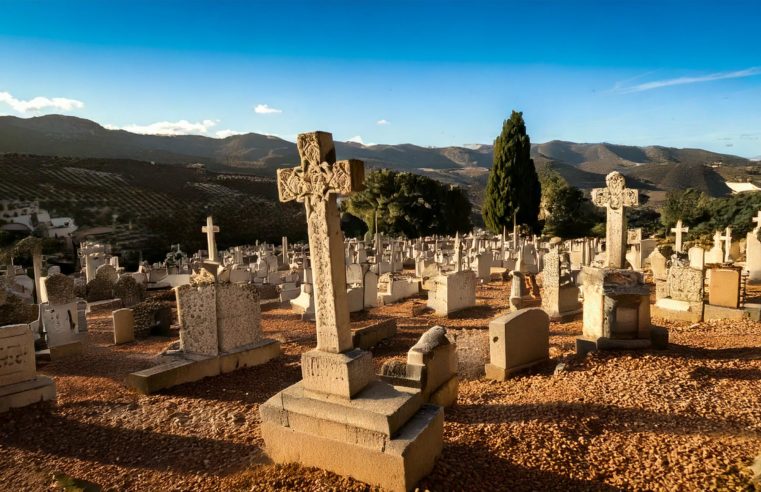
(411, 205)
(566, 212)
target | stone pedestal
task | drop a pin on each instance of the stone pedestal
(562, 302)
(616, 310)
(453, 292)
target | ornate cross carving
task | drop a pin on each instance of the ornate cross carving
(210, 229)
(316, 182)
(615, 197)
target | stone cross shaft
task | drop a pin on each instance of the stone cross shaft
(316, 182)
(757, 220)
(210, 229)
(679, 230)
(615, 198)
(727, 238)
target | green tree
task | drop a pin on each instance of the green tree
(689, 205)
(410, 204)
(513, 186)
(566, 212)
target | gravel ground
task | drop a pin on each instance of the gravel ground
(684, 419)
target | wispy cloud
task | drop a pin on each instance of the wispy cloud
(39, 103)
(181, 127)
(383, 122)
(657, 84)
(356, 139)
(266, 109)
(227, 133)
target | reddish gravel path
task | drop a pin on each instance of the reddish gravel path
(684, 419)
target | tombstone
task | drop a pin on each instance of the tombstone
(682, 298)
(616, 301)
(101, 288)
(517, 341)
(19, 383)
(401, 437)
(219, 332)
(60, 317)
(124, 326)
(715, 255)
(697, 255)
(561, 297)
(753, 252)
(658, 264)
(452, 292)
(431, 367)
(724, 287)
(129, 291)
(518, 291)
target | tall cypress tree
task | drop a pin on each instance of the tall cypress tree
(513, 183)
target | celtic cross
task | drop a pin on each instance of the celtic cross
(615, 197)
(316, 182)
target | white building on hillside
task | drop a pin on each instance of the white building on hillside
(27, 216)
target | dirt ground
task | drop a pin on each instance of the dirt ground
(688, 418)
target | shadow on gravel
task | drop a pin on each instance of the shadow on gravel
(465, 466)
(726, 373)
(130, 448)
(614, 418)
(689, 352)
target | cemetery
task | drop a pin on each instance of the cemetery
(440, 363)
(395, 246)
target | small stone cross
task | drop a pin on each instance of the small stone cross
(615, 197)
(316, 182)
(210, 229)
(727, 238)
(679, 230)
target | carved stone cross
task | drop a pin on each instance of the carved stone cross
(757, 220)
(615, 197)
(210, 229)
(679, 230)
(316, 182)
(727, 238)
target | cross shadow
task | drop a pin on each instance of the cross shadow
(71, 438)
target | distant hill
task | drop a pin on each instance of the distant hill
(653, 169)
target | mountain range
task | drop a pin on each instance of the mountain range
(653, 169)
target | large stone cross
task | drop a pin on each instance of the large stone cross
(317, 182)
(615, 197)
(679, 230)
(210, 229)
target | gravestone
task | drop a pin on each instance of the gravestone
(211, 243)
(306, 423)
(716, 254)
(753, 252)
(561, 296)
(697, 255)
(658, 264)
(60, 317)
(452, 292)
(517, 341)
(129, 291)
(682, 298)
(19, 383)
(124, 326)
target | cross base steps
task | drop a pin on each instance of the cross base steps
(383, 437)
(659, 340)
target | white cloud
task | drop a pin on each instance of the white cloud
(265, 109)
(356, 139)
(383, 122)
(657, 84)
(39, 103)
(227, 133)
(182, 127)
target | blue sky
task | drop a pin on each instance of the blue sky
(685, 74)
